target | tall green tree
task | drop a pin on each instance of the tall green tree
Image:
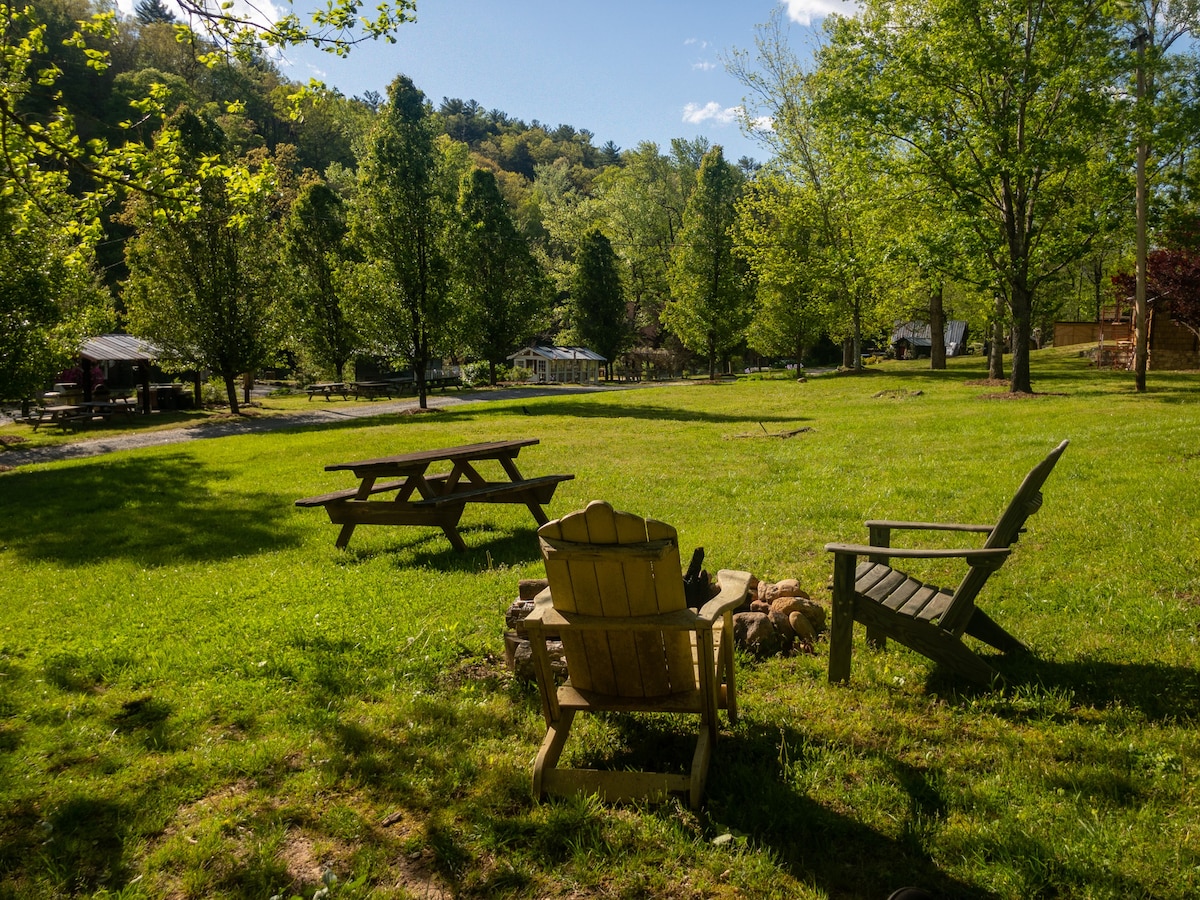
(203, 275)
(316, 244)
(501, 291)
(1002, 109)
(774, 233)
(1164, 128)
(598, 316)
(641, 204)
(709, 308)
(50, 297)
(400, 219)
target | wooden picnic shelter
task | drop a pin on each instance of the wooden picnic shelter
(118, 348)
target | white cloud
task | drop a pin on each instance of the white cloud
(696, 42)
(704, 65)
(695, 114)
(806, 12)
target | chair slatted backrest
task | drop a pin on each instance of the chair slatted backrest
(1026, 502)
(604, 563)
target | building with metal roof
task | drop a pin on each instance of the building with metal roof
(568, 365)
(913, 339)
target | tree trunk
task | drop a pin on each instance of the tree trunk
(492, 372)
(996, 353)
(1141, 317)
(1022, 309)
(231, 390)
(712, 357)
(937, 329)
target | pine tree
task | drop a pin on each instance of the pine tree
(598, 300)
(152, 12)
(501, 290)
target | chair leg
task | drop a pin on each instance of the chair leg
(551, 750)
(983, 627)
(700, 761)
(841, 626)
(958, 657)
(726, 682)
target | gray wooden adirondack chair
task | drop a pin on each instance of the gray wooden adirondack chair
(927, 618)
(616, 599)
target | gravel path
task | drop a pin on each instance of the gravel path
(324, 413)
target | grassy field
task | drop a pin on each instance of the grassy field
(201, 697)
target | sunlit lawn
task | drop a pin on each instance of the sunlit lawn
(201, 697)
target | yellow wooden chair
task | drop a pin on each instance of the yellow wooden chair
(616, 599)
(929, 619)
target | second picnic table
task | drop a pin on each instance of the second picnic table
(436, 500)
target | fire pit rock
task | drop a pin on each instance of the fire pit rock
(781, 618)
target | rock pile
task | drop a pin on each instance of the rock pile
(517, 652)
(781, 617)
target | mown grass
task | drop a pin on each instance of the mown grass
(201, 697)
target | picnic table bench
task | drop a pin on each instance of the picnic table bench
(438, 499)
(328, 389)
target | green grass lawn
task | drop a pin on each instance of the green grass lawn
(201, 697)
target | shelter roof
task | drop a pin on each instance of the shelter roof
(918, 334)
(549, 351)
(118, 348)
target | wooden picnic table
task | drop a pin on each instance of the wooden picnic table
(328, 389)
(60, 414)
(66, 415)
(436, 500)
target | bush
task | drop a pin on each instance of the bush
(475, 374)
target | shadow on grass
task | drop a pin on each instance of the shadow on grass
(1159, 692)
(152, 511)
(81, 844)
(422, 547)
(816, 844)
(579, 409)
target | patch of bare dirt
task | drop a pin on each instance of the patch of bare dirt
(1019, 395)
(987, 382)
(773, 434)
(11, 440)
(490, 668)
(901, 394)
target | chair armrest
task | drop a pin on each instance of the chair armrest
(928, 526)
(974, 557)
(734, 587)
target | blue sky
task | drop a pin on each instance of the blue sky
(627, 71)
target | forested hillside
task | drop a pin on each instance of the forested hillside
(172, 183)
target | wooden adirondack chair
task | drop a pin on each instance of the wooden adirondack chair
(927, 618)
(616, 600)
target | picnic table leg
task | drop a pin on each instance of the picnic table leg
(455, 539)
(364, 493)
(344, 536)
(510, 466)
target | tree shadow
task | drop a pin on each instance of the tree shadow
(153, 511)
